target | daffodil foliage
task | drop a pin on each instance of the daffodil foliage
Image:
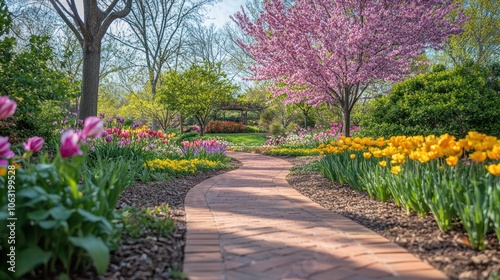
(331, 51)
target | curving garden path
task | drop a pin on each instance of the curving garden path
(251, 224)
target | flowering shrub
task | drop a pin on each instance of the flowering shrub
(308, 138)
(225, 127)
(195, 128)
(449, 177)
(63, 210)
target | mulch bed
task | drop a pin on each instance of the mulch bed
(448, 252)
(152, 257)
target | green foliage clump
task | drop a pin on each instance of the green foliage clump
(147, 222)
(444, 101)
(62, 225)
(27, 77)
(253, 129)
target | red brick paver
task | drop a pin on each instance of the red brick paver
(251, 224)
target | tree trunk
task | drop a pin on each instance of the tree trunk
(202, 122)
(181, 121)
(346, 114)
(90, 81)
(154, 123)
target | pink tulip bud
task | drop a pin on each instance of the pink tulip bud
(93, 127)
(5, 151)
(69, 144)
(34, 144)
(7, 107)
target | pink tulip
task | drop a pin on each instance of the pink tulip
(5, 151)
(7, 107)
(69, 144)
(93, 127)
(34, 144)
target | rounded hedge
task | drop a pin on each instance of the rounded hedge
(444, 101)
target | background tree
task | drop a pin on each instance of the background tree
(480, 40)
(338, 48)
(278, 118)
(141, 106)
(198, 91)
(26, 76)
(89, 31)
(158, 31)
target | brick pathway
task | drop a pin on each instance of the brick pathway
(251, 224)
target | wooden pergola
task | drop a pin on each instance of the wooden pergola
(244, 108)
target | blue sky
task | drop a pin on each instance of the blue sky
(219, 13)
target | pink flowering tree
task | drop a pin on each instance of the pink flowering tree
(331, 51)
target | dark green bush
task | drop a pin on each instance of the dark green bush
(444, 101)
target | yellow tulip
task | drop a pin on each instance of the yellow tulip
(452, 160)
(494, 169)
(383, 163)
(494, 153)
(396, 169)
(398, 158)
(352, 156)
(423, 158)
(478, 156)
(367, 155)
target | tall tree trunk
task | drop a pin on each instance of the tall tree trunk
(181, 123)
(154, 122)
(346, 114)
(90, 80)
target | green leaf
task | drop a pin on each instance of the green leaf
(32, 193)
(60, 213)
(47, 224)
(87, 216)
(64, 276)
(96, 249)
(4, 275)
(29, 258)
(38, 215)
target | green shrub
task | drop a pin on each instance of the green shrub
(252, 129)
(444, 101)
(64, 215)
(147, 222)
(188, 136)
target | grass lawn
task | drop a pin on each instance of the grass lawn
(247, 139)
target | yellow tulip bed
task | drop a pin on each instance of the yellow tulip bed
(181, 166)
(457, 180)
(292, 152)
